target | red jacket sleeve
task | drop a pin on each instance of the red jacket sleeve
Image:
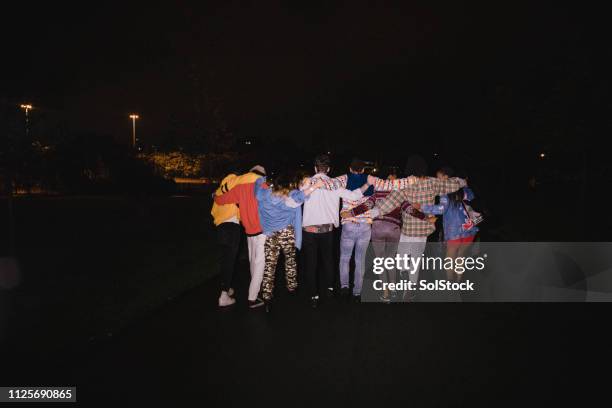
(231, 197)
(365, 206)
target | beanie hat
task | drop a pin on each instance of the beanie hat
(258, 169)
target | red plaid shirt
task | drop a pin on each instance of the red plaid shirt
(380, 185)
(424, 191)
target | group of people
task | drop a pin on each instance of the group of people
(279, 213)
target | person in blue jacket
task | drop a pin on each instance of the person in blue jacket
(279, 203)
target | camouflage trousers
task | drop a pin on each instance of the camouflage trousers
(281, 240)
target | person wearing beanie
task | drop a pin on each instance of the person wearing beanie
(243, 195)
(227, 221)
(258, 169)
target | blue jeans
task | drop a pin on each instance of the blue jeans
(354, 236)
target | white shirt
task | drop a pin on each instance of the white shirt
(323, 206)
(233, 219)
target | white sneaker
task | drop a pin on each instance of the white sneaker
(225, 300)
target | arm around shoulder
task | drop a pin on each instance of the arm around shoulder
(447, 186)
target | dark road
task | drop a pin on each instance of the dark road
(429, 354)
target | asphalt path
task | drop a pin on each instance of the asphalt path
(420, 354)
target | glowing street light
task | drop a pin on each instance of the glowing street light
(542, 155)
(27, 108)
(134, 116)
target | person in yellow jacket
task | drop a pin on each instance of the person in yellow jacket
(227, 220)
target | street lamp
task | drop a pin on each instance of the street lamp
(134, 116)
(27, 108)
(10, 265)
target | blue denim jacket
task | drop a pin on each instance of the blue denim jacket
(275, 214)
(455, 218)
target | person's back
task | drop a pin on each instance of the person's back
(423, 192)
(226, 219)
(244, 196)
(356, 232)
(224, 212)
(321, 216)
(281, 219)
(322, 206)
(459, 229)
(415, 230)
(456, 220)
(278, 211)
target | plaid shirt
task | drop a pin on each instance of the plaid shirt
(424, 191)
(364, 215)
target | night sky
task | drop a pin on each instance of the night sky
(343, 73)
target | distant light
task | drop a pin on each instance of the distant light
(435, 154)
(328, 152)
(26, 106)
(134, 116)
(542, 155)
(248, 142)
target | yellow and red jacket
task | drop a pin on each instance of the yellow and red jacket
(222, 213)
